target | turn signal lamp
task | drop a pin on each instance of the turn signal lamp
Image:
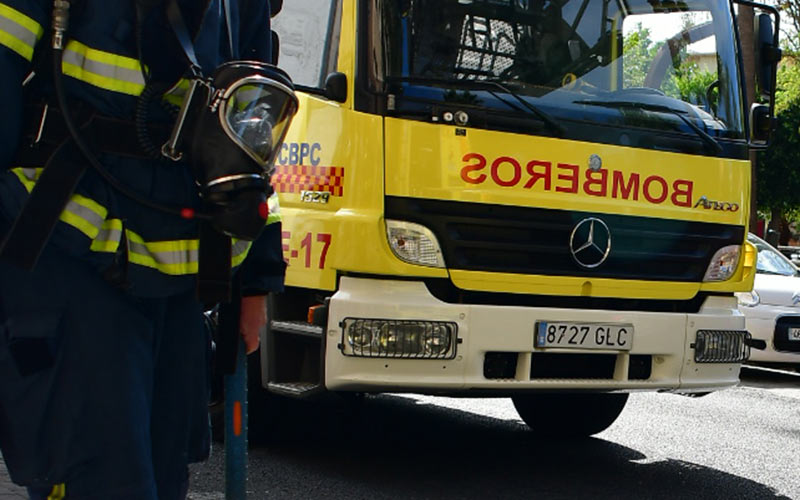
(723, 264)
(392, 338)
(414, 243)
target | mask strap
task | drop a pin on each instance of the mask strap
(178, 24)
(226, 5)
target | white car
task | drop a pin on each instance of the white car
(772, 308)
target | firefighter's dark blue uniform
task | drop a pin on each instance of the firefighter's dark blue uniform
(103, 387)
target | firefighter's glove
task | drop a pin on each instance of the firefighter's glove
(252, 320)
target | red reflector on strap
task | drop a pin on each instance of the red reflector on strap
(263, 210)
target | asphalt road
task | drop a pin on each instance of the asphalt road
(739, 443)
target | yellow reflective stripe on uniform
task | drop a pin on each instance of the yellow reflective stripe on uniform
(58, 492)
(18, 32)
(178, 91)
(84, 214)
(27, 176)
(239, 250)
(109, 236)
(169, 257)
(103, 69)
(173, 257)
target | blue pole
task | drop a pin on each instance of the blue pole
(236, 428)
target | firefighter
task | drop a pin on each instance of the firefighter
(103, 352)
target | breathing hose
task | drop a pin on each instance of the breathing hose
(60, 24)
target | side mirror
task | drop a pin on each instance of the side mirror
(767, 54)
(761, 125)
(336, 87)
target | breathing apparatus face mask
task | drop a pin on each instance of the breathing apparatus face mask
(230, 129)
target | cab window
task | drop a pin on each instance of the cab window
(308, 33)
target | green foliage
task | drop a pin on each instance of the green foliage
(686, 81)
(778, 177)
(692, 83)
(790, 20)
(639, 51)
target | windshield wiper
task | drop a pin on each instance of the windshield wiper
(709, 141)
(551, 123)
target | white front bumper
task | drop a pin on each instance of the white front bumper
(667, 337)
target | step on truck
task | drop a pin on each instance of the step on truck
(541, 200)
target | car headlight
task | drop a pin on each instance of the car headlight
(723, 264)
(748, 299)
(414, 243)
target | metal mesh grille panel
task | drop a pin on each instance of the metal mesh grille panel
(410, 339)
(721, 346)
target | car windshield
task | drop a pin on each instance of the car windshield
(770, 260)
(646, 69)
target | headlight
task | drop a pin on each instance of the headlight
(385, 338)
(723, 264)
(748, 299)
(414, 243)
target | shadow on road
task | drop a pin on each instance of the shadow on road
(390, 447)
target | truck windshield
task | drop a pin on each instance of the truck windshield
(643, 73)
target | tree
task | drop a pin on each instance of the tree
(686, 81)
(790, 19)
(778, 188)
(774, 177)
(639, 52)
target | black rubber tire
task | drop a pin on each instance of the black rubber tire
(569, 415)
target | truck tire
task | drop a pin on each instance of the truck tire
(569, 415)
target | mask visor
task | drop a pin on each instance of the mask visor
(256, 112)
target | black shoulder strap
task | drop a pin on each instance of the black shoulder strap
(175, 17)
(226, 6)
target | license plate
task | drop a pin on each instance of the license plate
(794, 333)
(570, 335)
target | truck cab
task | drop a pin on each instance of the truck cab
(535, 199)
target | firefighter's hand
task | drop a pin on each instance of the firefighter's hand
(252, 320)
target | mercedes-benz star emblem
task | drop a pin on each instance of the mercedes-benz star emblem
(590, 242)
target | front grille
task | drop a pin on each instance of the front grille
(506, 239)
(781, 340)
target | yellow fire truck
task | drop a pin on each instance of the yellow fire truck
(538, 199)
